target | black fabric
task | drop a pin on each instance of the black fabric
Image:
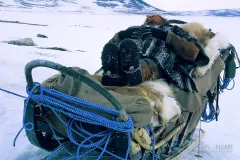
(111, 66)
(109, 80)
(109, 58)
(128, 32)
(130, 52)
(143, 32)
(174, 67)
(159, 34)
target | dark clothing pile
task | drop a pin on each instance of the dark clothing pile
(158, 43)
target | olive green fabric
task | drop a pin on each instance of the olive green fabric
(206, 82)
(195, 102)
(192, 101)
(137, 107)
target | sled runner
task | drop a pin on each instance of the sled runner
(75, 117)
(177, 155)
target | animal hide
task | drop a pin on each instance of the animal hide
(198, 31)
(212, 43)
(212, 50)
(159, 94)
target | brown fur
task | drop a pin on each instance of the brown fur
(153, 96)
(194, 28)
(140, 90)
(164, 105)
(198, 31)
(144, 89)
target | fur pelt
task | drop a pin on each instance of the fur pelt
(212, 50)
(198, 31)
(160, 95)
(211, 42)
(166, 108)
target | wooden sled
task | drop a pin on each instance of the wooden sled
(191, 145)
(45, 134)
(69, 127)
(197, 137)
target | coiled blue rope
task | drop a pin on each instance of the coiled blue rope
(153, 142)
(61, 103)
(223, 84)
(150, 130)
(211, 116)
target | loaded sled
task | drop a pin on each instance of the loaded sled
(74, 117)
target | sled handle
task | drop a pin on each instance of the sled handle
(69, 71)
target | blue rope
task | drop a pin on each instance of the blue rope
(153, 141)
(26, 125)
(223, 84)
(61, 103)
(12, 93)
(74, 157)
(59, 149)
(211, 116)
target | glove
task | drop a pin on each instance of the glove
(147, 32)
(127, 33)
(143, 32)
(159, 34)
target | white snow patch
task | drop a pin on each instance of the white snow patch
(70, 31)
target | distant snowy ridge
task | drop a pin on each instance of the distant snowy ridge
(220, 12)
(108, 7)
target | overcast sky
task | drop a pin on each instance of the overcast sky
(186, 5)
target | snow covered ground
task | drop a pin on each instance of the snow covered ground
(88, 34)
